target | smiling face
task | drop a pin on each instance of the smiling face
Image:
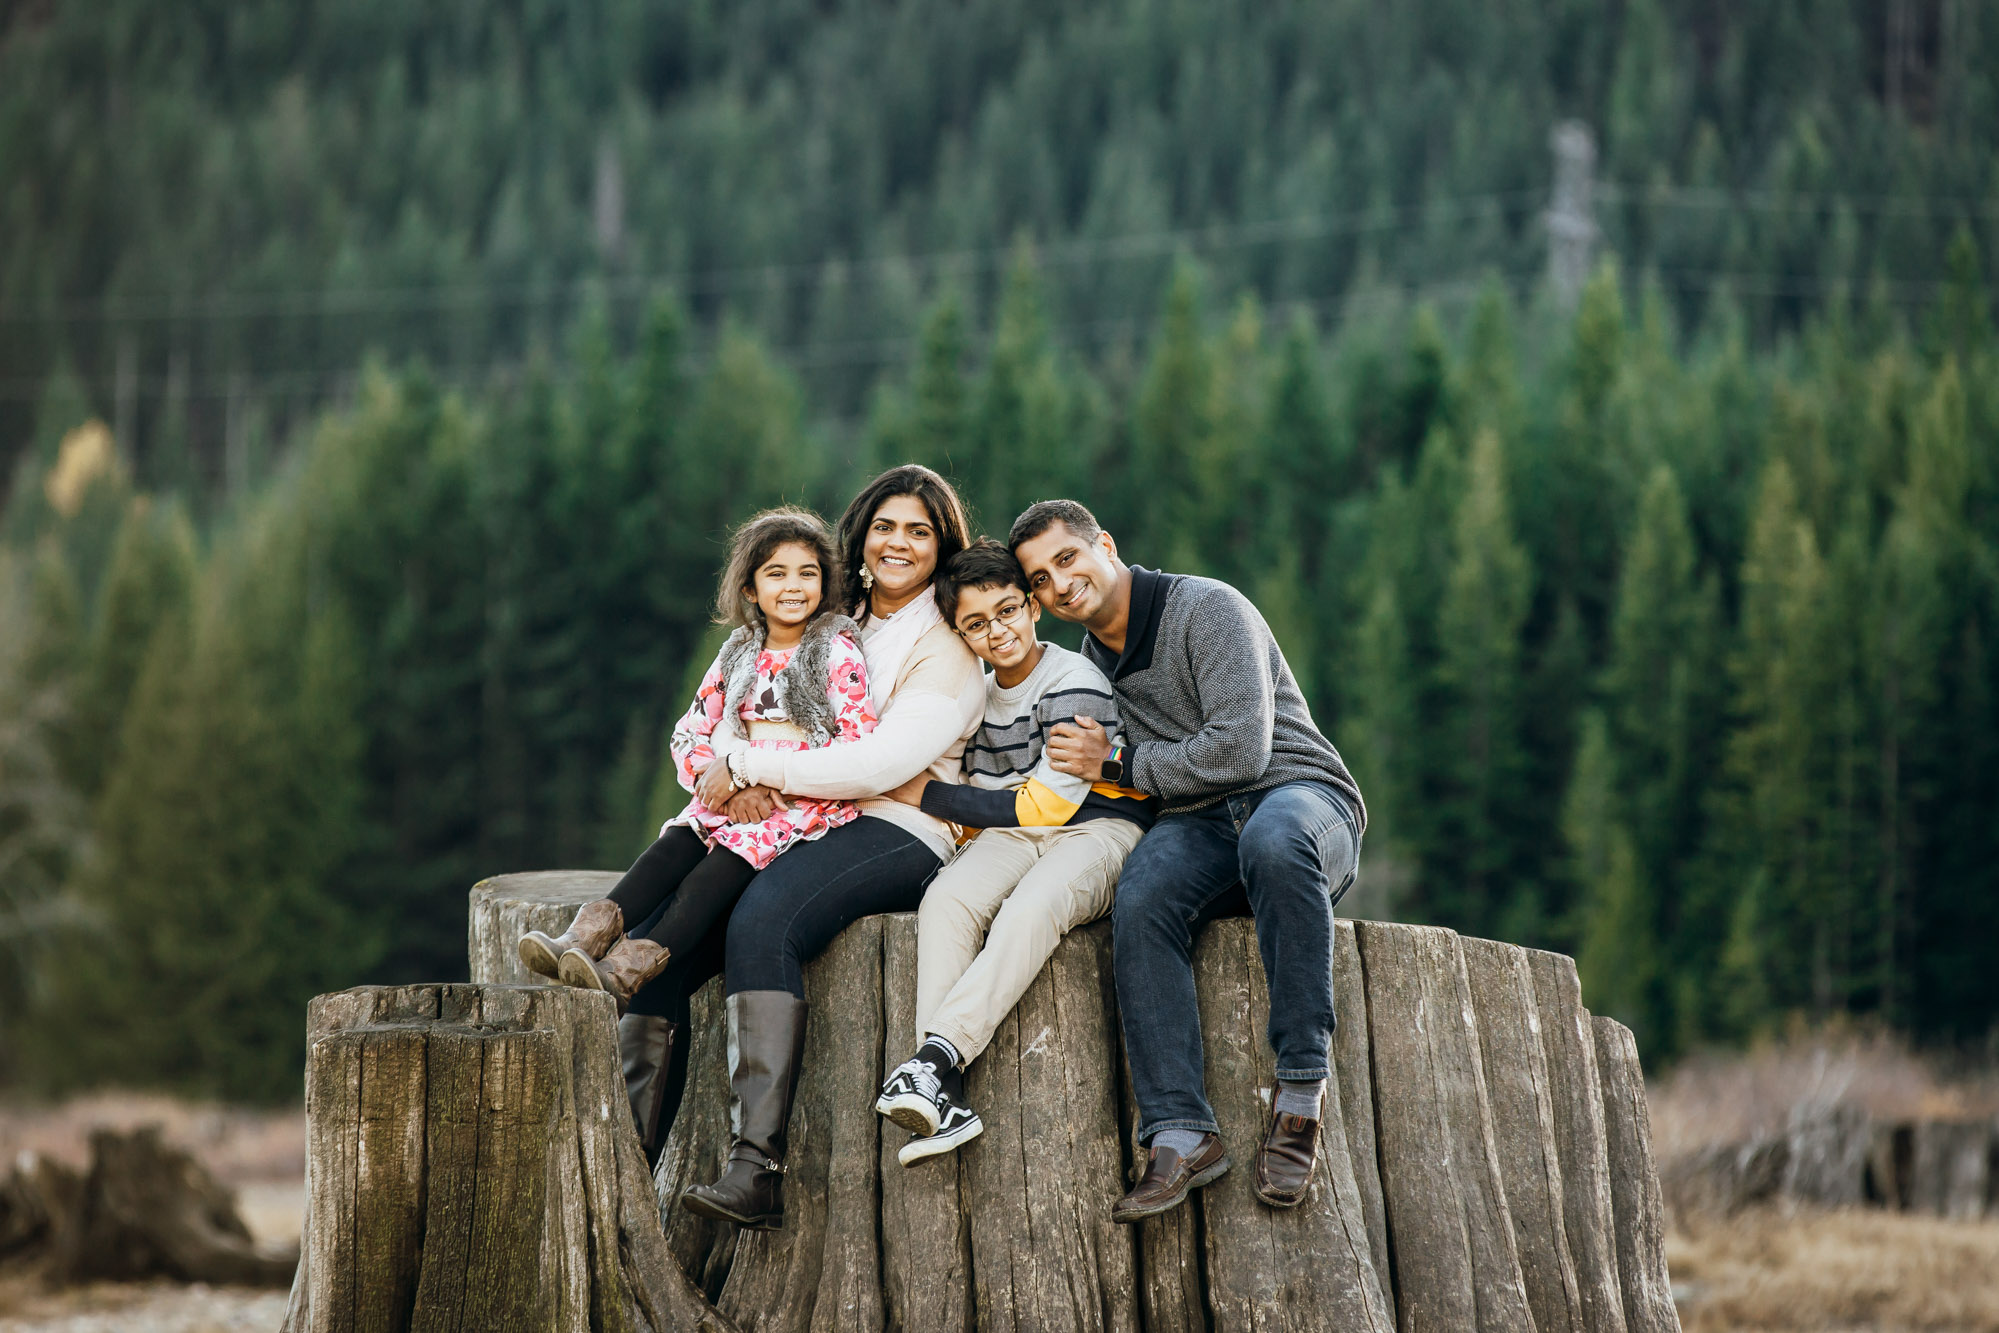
(1072, 577)
(788, 585)
(900, 550)
(997, 624)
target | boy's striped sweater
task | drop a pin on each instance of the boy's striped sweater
(1008, 780)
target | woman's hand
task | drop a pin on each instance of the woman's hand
(752, 805)
(713, 788)
(910, 792)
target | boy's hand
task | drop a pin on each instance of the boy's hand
(1079, 748)
(910, 792)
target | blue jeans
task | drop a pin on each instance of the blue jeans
(1292, 850)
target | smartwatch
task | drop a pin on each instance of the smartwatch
(1114, 766)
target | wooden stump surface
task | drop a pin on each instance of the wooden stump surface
(1486, 1162)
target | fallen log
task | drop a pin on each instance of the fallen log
(1468, 1075)
(142, 1209)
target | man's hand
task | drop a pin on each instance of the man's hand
(910, 792)
(752, 805)
(1079, 748)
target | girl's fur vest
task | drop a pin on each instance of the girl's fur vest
(800, 686)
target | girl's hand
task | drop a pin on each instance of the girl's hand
(752, 805)
(910, 792)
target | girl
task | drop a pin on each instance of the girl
(791, 677)
(894, 535)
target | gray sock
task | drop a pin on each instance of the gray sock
(1182, 1141)
(1299, 1098)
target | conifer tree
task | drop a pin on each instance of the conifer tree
(1484, 606)
(1617, 925)
(1171, 428)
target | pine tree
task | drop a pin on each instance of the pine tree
(1484, 606)
(1171, 428)
(1617, 924)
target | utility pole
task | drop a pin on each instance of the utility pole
(1571, 218)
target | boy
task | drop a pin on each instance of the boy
(1047, 861)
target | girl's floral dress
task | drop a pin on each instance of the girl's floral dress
(854, 712)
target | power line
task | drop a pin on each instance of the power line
(885, 351)
(722, 282)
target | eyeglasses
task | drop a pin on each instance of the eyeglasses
(1009, 615)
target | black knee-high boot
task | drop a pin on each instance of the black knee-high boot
(766, 1045)
(655, 1065)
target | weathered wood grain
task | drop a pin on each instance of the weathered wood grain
(1304, 1268)
(1450, 1236)
(925, 1229)
(1569, 1043)
(1039, 1183)
(1519, 1086)
(549, 1222)
(486, 1152)
(1353, 1066)
(1638, 1212)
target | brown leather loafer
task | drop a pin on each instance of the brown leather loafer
(1169, 1178)
(1284, 1161)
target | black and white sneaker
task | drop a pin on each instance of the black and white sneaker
(912, 1095)
(958, 1126)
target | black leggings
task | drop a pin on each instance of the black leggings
(814, 891)
(679, 888)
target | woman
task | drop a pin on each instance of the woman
(893, 536)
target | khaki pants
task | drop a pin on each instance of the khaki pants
(1016, 892)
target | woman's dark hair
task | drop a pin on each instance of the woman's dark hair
(947, 516)
(755, 542)
(983, 564)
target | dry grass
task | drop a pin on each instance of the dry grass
(1765, 1272)
(1727, 1097)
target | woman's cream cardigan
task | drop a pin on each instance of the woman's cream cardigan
(930, 711)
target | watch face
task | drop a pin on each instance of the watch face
(1113, 770)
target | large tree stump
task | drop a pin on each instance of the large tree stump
(1486, 1161)
(1523, 1113)
(1451, 1237)
(472, 1164)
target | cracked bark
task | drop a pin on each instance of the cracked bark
(1484, 1161)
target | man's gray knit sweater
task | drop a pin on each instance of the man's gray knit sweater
(1209, 704)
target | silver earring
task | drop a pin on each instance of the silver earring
(867, 577)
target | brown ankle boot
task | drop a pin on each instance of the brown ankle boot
(631, 963)
(596, 928)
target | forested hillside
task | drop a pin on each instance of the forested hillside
(1659, 628)
(212, 209)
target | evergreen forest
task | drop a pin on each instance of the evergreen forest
(379, 383)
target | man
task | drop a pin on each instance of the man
(1251, 794)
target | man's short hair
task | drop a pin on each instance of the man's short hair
(983, 564)
(1042, 515)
